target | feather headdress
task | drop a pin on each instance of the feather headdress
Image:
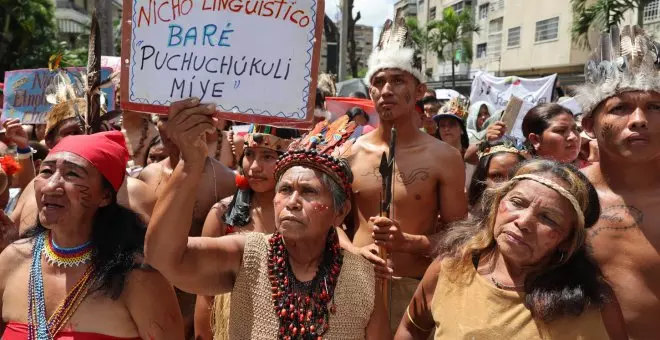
(82, 99)
(327, 85)
(624, 61)
(395, 49)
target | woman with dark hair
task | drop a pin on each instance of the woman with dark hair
(78, 272)
(496, 161)
(357, 115)
(452, 131)
(250, 209)
(551, 132)
(522, 271)
(156, 152)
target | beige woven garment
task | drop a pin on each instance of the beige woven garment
(220, 316)
(252, 313)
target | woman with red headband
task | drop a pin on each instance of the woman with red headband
(77, 274)
(295, 283)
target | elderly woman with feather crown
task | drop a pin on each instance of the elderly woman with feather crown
(294, 284)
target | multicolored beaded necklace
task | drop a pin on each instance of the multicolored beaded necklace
(66, 257)
(40, 328)
(303, 308)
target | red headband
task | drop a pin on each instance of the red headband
(106, 151)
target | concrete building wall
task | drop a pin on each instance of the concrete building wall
(364, 36)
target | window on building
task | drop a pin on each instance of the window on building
(547, 29)
(496, 5)
(482, 50)
(495, 36)
(432, 13)
(495, 26)
(459, 6)
(513, 39)
(420, 4)
(483, 11)
(652, 11)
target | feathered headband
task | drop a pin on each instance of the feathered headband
(84, 99)
(317, 151)
(505, 144)
(395, 49)
(263, 136)
(457, 106)
(624, 61)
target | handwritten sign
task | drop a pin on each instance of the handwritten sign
(26, 90)
(257, 61)
(498, 90)
(112, 62)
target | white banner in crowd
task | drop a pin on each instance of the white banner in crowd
(498, 91)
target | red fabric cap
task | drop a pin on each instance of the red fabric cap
(106, 151)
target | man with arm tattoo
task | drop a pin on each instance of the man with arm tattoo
(429, 174)
(622, 111)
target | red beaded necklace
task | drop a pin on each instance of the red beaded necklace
(303, 307)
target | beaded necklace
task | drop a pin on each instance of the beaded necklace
(38, 327)
(66, 257)
(303, 308)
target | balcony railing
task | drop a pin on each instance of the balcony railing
(71, 5)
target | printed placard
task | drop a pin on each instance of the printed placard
(26, 91)
(257, 61)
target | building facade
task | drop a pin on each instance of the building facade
(440, 69)
(405, 9)
(364, 36)
(528, 38)
(73, 18)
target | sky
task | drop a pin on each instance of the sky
(374, 12)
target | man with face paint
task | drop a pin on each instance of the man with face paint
(429, 174)
(622, 112)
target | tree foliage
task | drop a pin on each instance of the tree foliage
(28, 34)
(600, 15)
(454, 35)
(426, 37)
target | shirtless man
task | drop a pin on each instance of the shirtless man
(218, 179)
(429, 175)
(626, 239)
(218, 183)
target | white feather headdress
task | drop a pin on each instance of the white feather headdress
(395, 49)
(624, 61)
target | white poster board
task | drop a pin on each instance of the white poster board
(498, 90)
(257, 61)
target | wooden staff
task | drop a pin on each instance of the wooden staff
(387, 175)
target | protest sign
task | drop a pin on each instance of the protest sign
(339, 105)
(112, 62)
(26, 91)
(256, 61)
(498, 90)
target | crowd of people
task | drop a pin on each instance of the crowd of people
(179, 227)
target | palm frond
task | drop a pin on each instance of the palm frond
(599, 16)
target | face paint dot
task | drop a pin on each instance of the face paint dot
(320, 207)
